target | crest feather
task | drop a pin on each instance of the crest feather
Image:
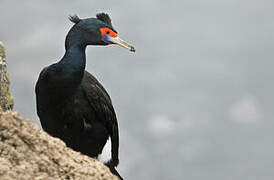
(74, 18)
(105, 18)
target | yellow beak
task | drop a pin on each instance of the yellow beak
(120, 42)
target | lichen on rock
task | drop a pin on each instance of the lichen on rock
(6, 100)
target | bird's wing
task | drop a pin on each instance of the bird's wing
(43, 102)
(100, 101)
(39, 89)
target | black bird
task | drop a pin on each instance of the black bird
(71, 104)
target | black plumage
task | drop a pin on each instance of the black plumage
(71, 104)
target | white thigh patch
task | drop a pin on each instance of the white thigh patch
(105, 156)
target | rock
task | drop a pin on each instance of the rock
(27, 152)
(6, 100)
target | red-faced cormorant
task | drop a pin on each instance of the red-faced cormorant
(71, 104)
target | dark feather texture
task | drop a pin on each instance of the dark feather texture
(74, 18)
(105, 18)
(71, 104)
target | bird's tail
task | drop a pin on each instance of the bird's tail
(111, 167)
(114, 145)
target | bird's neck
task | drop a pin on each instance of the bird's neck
(74, 39)
(72, 66)
(74, 58)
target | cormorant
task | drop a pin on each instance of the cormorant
(71, 104)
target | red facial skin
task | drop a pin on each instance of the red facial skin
(108, 32)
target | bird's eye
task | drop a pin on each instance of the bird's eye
(107, 31)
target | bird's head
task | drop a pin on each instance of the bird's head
(95, 31)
